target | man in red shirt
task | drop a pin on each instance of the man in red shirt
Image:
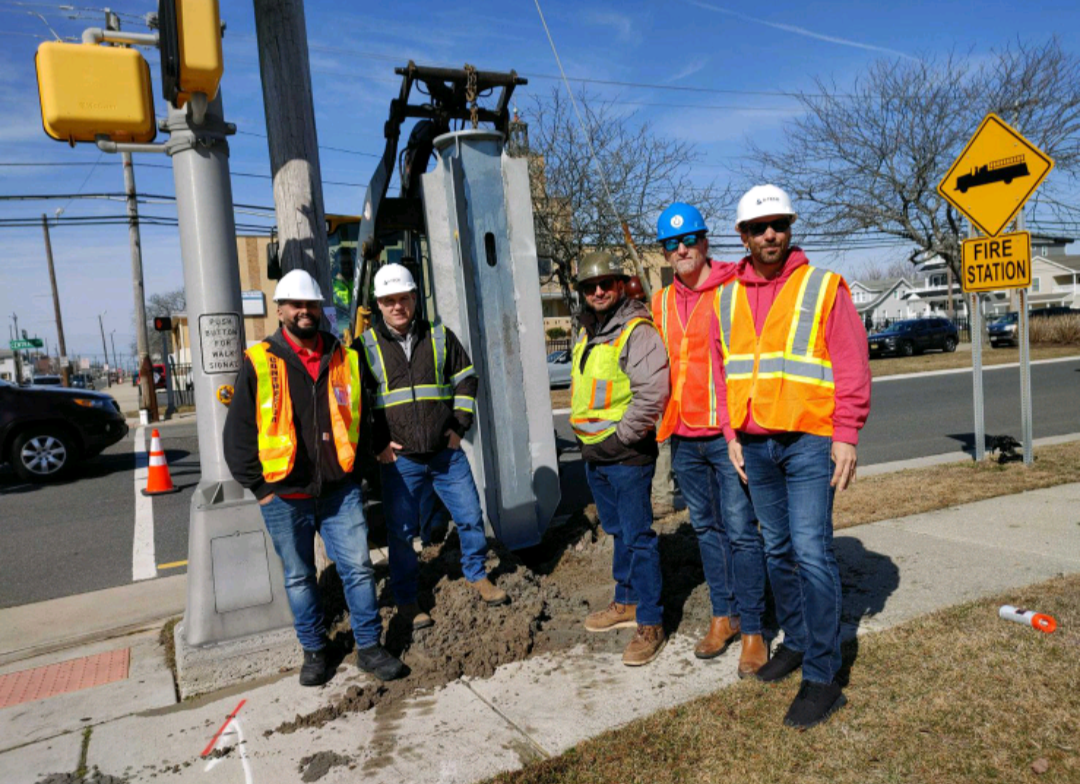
(796, 393)
(291, 438)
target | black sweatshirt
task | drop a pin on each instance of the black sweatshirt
(316, 469)
(419, 426)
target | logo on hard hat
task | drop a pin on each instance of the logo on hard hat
(764, 199)
(676, 221)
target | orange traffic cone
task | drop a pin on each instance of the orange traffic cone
(158, 481)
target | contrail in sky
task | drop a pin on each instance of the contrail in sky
(800, 30)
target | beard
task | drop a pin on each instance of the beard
(306, 332)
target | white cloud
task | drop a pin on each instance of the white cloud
(689, 70)
(621, 25)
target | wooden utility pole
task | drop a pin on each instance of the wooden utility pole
(146, 369)
(65, 370)
(294, 152)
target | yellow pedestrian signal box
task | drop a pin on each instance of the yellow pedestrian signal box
(88, 90)
(191, 59)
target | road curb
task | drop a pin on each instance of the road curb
(950, 457)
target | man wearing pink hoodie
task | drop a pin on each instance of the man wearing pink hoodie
(797, 392)
(720, 510)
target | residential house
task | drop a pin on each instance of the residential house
(881, 302)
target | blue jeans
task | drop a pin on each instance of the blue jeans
(727, 532)
(789, 482)
(404, 483)
(339, 518)
(623, 496)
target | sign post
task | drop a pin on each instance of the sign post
(989, 183)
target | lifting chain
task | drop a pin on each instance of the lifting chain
(471, 94)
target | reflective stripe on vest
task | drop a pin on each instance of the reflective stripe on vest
(386, 397)
(274, 410)
(693, 400)
(600, 393)
(785, 373)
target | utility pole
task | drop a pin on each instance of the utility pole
(146, 370)
(104, 347)
(18, 354)
(112, 340)
(294, 152)
(65, 370)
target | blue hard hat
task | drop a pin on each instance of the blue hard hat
(679, 219)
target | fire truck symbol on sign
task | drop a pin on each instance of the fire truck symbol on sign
(1005, 170)
(995, 174)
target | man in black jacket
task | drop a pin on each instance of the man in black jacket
(291, 437)
(425, 397)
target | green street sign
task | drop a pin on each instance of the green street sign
(21, 345)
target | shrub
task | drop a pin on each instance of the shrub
(1057, 330)
(555, 333)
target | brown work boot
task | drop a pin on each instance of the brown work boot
(754, 654)
(614, 616)
(646, 646)
(722, 631)
(492, 595)
(415, 616)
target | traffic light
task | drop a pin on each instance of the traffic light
(162, 323)
(189, 33)
(88, 90)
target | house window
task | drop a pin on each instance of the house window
(896, 295)
(1034, 284)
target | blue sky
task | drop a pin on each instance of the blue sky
(755, 54)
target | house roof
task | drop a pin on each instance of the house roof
(883, 288)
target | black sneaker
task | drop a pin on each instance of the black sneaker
(784, 661)
(317, 668)
(379, 662)
(814, 703)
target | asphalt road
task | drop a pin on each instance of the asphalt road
(78, 536)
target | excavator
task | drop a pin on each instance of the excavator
(462, 223)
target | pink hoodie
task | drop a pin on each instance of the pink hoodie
(845, 338)
(686, 299)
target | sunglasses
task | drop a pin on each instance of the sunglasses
(689, 240)
(757, 228)
(589, 287)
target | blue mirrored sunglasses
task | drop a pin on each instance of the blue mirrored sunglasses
(689, 240)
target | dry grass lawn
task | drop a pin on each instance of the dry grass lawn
(891, 366)
(917, 490)
(958, 697)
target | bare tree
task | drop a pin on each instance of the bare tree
(164, 303)
(645, 172)
(869, 158)
(884, 269)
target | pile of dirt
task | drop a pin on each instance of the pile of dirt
(94, 777)
(552, 587)
(315, 766)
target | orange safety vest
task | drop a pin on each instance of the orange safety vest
(785, 373)
(274, 410)
(693, 388)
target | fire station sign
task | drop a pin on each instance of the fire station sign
(995, 174)
(997, 263)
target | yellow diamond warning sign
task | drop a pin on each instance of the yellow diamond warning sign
(997, 263)
(995, 174)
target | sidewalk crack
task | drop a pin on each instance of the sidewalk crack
(536, 746)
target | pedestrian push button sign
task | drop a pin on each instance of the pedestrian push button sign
(995, 174)
(997, 263)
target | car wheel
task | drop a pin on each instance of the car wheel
(950, 344)
(907, 349)
(42, 454)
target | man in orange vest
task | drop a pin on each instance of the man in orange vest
(290, 438)
(720, 509)
(797, 393)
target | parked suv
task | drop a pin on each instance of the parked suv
(44, 431)
(914, 336)
(1004, 331)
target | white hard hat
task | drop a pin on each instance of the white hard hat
(298, 285)
(762, 200)
(393, 279)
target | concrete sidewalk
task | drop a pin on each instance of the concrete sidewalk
(134, 730)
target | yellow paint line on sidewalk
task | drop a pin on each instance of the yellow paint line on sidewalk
(173, 565)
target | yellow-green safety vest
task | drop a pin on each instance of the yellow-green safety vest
(600, 394)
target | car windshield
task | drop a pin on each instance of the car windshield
(1008, 318)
